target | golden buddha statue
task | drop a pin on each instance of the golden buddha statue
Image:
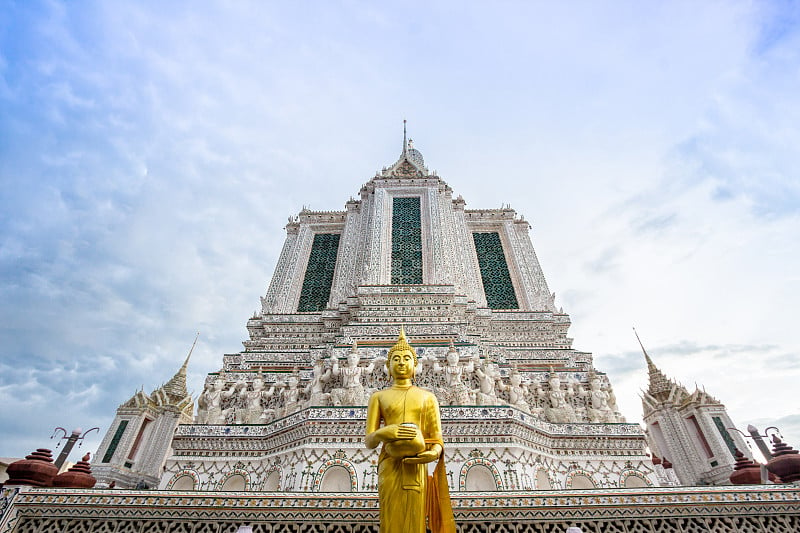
(412, 437)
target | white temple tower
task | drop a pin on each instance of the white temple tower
(521, 409)
(137, 443)
(689, 430)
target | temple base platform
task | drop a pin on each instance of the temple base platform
(748, 509)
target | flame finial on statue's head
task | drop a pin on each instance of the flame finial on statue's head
(402, 344)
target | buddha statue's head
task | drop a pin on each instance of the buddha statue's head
(402, 358)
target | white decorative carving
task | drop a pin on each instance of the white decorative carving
(254, 411)
(352, 391)
(456, 390)
(209, 404)
(488, 378)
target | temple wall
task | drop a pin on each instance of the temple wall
(486, 448)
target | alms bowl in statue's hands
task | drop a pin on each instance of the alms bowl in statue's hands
(406, 447)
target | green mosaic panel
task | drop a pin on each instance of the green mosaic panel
(406, 242)
(725, 435)
(494, 271)
(112, 447)
(319, 273)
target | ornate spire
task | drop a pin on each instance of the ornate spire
(405, 141)
(409, 155)
(660, 385)
(176, 387)
(646, 357)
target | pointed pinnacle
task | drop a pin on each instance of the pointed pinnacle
(659, 385)
(176, 386)
(185, 364)
(646, 356)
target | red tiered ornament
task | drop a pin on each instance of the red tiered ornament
(36, 469)
(78, 477)
(748, 472)
(785, 462)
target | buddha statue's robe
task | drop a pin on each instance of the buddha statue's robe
(402, 487)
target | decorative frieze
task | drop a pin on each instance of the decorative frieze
(667, 510)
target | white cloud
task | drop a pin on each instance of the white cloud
(151, 154)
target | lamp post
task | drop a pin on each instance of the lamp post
(762, 446)
(759, 438)
(77, 435)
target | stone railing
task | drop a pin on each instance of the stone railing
(405, 289)
(486, 424)
(449, 415)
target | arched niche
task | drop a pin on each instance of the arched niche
(336, 479)
(236, 482)
(480, 478)
(273, 481)
(184, 482)
(543, 480)
(579, 481)
(635, 482)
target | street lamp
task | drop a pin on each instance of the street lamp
(77, 435)
(759, 438)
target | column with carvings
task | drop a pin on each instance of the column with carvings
(379, 240)
(348, 271)
(269, 302)
(466, 269)
(440, 233)
(533, 282)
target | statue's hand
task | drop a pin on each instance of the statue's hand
(428, 456)
(394, 432)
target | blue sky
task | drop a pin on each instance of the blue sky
(151, 152)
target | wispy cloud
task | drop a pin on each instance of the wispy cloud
(150, 154)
